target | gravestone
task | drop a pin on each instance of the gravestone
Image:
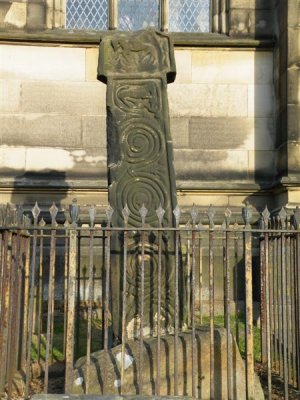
(137, 66)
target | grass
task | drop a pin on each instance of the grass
(237, 325)
(58, 340)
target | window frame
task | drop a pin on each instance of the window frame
(218, 15)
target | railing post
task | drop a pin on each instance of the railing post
(249, 304)
(5, 295)
(113, 14)
(71, 310)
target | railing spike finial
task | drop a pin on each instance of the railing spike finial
(126, 213)
(35, 212)
(266, 217)
(194, 214)
(92, 215)
(282, 216)
(211, 215)
(177, 214)
(42, 222)
(228, 214)
(143, 213)
(235, 225)
(74, 210)
(160, 212)
(53, 212)
(247, 214)
(297, 218)
(109, 213)
(188, 225)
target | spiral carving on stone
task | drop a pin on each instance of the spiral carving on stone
(141, 141)
(148, 189)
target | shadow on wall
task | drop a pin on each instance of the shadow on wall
(35, 186)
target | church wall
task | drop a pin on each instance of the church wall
(53, 124)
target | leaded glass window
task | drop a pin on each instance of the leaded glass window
(184, 15)
(138, 14)
(87, 14)
(189, 15)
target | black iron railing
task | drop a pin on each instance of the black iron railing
(55, 296)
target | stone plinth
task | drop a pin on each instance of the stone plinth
(100, 361)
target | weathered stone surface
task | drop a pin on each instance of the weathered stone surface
(112, 382)
(42, 63)
(237, 67)
(261, 23)
(260, 100)
(36, 15)
(231, 133)
(40, 130)
(12, 158)
(136, 67)
(62, 98)
(211, 164)
(94, 131)
(180, 132)
(10, 93)
(91, 64)
(293, 89)
(239, 22)
(208, 100)
(85, 163)
(16, 15)
(262, 165)
(183, 60)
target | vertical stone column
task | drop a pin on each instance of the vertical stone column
(137, 67)
(287, 87)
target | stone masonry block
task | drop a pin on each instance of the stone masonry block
(231, 133)
(293, 79)
(262, 165)
(207, 100)
(234, 67)
(77, 162)
(180, 132)
(251, 4)
(293, 57)
(94, 131)
(261, 23)
(293, 13)
(293, 149)
(16, 16)
(40, 130)
(43, 63)
(293, 122)
(260, 100)
(211, 164)
(64, 98)
(36, 15)
(91, 64)
(4, 8)
(10, 92)
(12, 158)
(239, 22)
(183, 60)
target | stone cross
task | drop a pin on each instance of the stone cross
(137, 66)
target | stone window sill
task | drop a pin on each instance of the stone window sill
(65, 36)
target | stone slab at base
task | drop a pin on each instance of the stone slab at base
(104, 372)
